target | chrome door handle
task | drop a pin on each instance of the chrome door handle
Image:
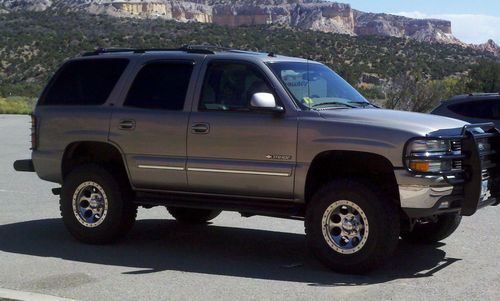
(200, 128)
(127, 125)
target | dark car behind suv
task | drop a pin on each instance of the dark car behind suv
(473, 108)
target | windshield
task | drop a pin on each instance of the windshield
(314, 85)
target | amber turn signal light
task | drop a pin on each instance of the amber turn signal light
(420, 166)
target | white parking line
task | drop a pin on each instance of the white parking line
(27, 296)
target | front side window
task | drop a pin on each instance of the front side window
(161, 85)
(229, 86)
(313, 85)
(84, 82)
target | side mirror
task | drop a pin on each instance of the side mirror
(265, 102)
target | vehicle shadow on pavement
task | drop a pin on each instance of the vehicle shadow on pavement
(159, 245)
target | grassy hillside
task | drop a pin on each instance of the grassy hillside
(33, 44)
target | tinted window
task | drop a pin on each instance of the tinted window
(161, 85)
(484, 109)
(230, 86)
(86, 82)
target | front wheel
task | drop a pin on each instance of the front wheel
(95, 205)
(433, 229)
(351, 227)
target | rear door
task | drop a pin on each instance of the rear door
(232, 149)
(150, 125)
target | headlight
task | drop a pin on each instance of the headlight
(436, 156)
(422, 146)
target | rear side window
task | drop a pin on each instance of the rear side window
(85, 82)
(484, 109)
(161, 85)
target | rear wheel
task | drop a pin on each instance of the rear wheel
(433, 229)
(351, 227)
(193, 215)
(95, 205)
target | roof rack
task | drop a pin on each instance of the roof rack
(482, 94)
(475, 95)
(201, 49)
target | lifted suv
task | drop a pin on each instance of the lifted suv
(200, 130)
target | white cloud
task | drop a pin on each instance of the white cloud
(469, 28)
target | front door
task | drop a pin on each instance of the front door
(232, 149)
(150, 126)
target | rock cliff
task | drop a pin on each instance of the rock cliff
(489, 46)
(424, 30)
(302, 14)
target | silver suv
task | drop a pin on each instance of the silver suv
(199, 130)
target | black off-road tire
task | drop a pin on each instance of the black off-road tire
(382, 217)
(193, 215)
(431, 232)
(121, 212)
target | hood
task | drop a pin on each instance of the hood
(418, 123)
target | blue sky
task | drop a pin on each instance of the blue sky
(472, 21)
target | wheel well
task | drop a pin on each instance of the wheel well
(331, 165)
(87, 152)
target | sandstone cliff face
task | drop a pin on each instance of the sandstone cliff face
(176, 10)
(326, 17)
(302, 14)
(424, 30)
(489, 46)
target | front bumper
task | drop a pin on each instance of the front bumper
(421, 201)
(477, 185)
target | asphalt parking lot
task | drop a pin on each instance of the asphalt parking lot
(233, 258)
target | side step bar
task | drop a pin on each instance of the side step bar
(249, 206)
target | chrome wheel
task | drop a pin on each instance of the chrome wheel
(90, 204)
(345, 227)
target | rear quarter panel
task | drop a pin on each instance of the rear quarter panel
(58, 127)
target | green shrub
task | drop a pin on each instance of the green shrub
(16, 105)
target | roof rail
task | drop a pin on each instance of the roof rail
(206, 47)
(202, 49)
(100, 50)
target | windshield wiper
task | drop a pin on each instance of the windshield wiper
(363, 104)
(329, 103)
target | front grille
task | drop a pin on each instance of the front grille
(457, 165)
(456, 145)
(486, 153)
(456, 148)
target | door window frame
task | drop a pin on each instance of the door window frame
(137, 68)
(164, 62)
(201, 82)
